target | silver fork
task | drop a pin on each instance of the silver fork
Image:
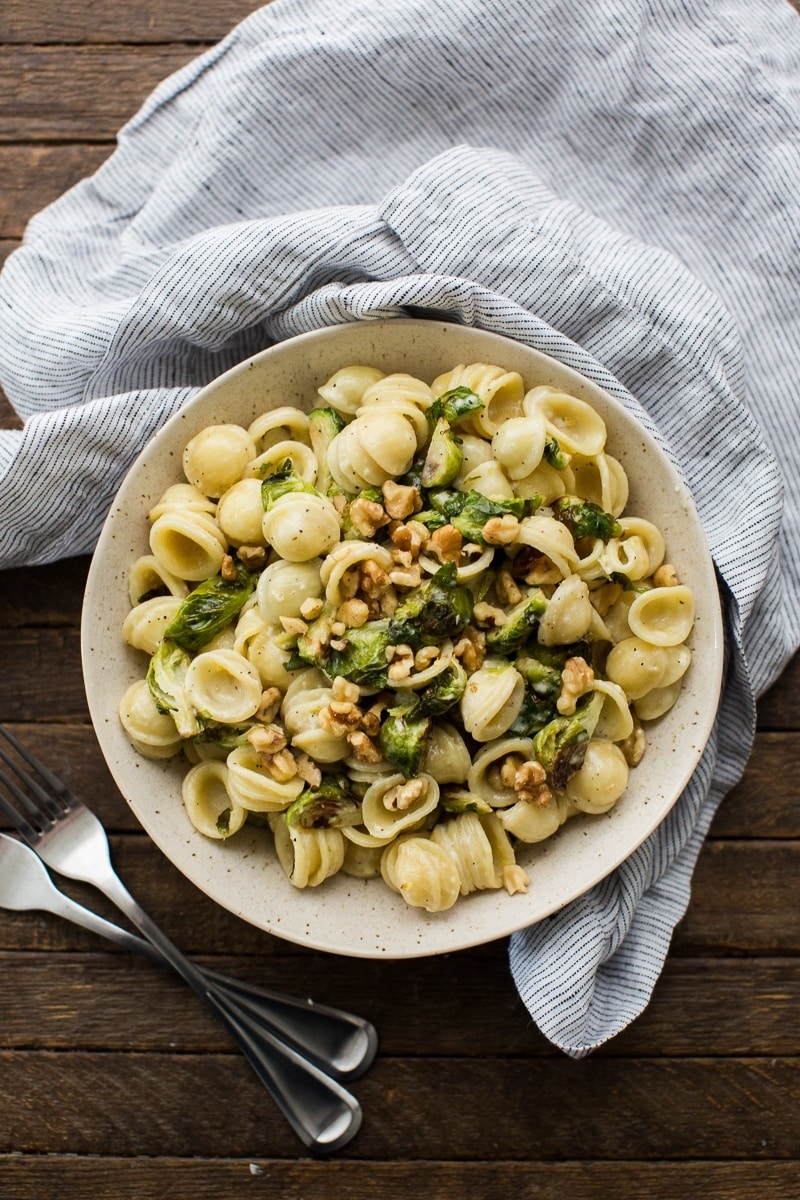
(70, 839)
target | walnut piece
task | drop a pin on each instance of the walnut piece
(505, 587)
(501, 531)
(267, 739)
(530, 784)
(399, 500)
(514, 879)
(446, 544)
(577, 679)
(363, 747)
(470, 649)
(666, 576)
(267, 710)
(487, 616)
(401, 797)
(308, 770)
(367, 516)
(253, 557)
(227, 569)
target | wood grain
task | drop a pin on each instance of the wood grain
(103, 88)
(76, 22)
(107, 1178)
(677, 1109)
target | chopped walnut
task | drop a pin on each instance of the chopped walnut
(634, 745)
(345, 689)
(666, 576)
(338, 629)
(339, 502)
(410, 538)
(270, 703)
(253, 557)
(401, 662)
(403, 795)
(501, 531)
(407, 578)
(308, 770)
(399, 500)
(371, 719)
(425, 656)
(374, 579)
(514, 879)
(505, 587)
(388, 602)
(363, 747)
(353, 613)
(267, 739)
(446, 544)
(340, 716)
(470, 649)
(487, 616)
(577, 679)
(530, 784)
(227, 568)
(311, 607)
(294, 625)
(508, 768)
(281, 766)
(367, 516)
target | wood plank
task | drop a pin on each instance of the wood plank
(49, 596)
(101, 89)
(520, 1109)
(764, 804)
(80, 21)
(44, 665)
(779, 708)
(35, 175)
(115, 1001)
(745, 898)
(52, 1178)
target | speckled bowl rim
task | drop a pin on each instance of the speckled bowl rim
(364, 918)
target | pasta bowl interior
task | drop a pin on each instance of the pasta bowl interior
(414, 671)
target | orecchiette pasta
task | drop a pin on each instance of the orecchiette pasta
(415, 628)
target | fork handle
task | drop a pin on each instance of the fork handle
(341, 1043)
(324, 1114)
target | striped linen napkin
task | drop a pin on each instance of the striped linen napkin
(619, 191)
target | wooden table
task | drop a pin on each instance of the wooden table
(115, 1082)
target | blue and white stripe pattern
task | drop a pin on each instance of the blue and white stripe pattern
(618, 190)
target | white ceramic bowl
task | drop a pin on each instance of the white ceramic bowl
(346, 915)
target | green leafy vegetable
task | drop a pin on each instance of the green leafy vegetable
(323, 426)
(439, 609)
(444, 457)
(554, 455)
(280, 482)
(561, 746)
(209, 608)
(520, 624)
(166, 677)
(404, 739)
(584, 519)
(455, 405)
(328, 806)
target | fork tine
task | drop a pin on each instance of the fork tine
(61, 792)
(23, 827)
